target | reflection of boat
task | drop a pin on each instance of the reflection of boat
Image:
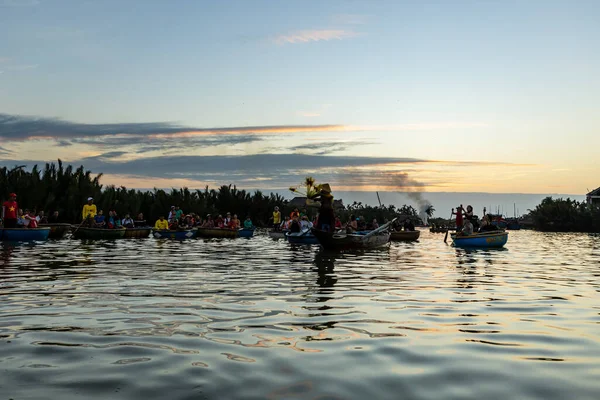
(345, 241)
(485, 239)
(137, 233)
(57, 231)
(246, 233)
(304, 237)
(277, 234)
(24, 234)
(98, 233)
(217, 233)
(405, 236)
(177, 235)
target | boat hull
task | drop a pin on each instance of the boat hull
(24, 234)
(246, 233)
(217, 233)
(57, 231)
(341, 241)
(405, 236)
(177, 235)
(301, 238)
(137, 233)
(494, 239)
(98, 233)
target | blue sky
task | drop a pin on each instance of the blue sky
(497, 96)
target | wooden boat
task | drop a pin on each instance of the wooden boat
(513, 224)
(24, 234)
(98, 233)
(57, 231)
(246, 233)
(217, 233)
(344, 241)
(304, 237)
(405, 236)
(484, 239)
(277, 234)
(177, 235)
(137, 233)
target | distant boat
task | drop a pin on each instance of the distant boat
(485, 239)
(405, 236)
(57, 231)
(304, 237)
(137, 233)
(246, 233)
(24, 234)
(513, 224)
(98, 233)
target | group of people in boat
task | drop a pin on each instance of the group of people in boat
(15, 217)
(177, 220)
(467, 223)
(94, 218)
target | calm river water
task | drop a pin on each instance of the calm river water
(260, 319)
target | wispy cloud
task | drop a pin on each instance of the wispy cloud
(315, 35)
(323, 148)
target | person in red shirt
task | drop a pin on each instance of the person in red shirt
(459, 217)
(32, 220)
(9, 211)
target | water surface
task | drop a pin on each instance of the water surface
(261, 319)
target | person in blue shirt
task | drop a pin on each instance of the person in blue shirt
(99, 220)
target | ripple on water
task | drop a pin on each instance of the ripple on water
(262, 319)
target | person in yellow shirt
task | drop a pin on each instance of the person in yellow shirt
(161, 224)
(89, 211)
(276, 218)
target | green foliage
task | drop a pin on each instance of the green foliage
(560, 215)
(66, 190)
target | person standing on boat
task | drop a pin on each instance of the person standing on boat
(161, 224)
(89, 212)
(10, 209)
(459, 217)
(276, 218)
(178, 213)
(326, 215)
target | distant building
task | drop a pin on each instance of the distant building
(593, 197)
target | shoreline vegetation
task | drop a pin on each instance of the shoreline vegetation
(62, 188)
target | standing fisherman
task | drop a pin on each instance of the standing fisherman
(89, 212)
(326, 216)
(9, 211)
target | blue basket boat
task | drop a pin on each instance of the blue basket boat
(24, 234)
(486, 239)
(305, 237)
(246, 233)
(177, 235)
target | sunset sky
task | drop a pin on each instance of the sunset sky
(465, 96)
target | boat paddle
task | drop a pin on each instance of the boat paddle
(82, 222)
(448, 230)
(381, 228)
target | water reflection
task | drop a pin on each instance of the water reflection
(260, 318)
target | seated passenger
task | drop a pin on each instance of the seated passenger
(235, 222)
(209, 223)
(219, 223)
(41, 218)
(338, 223)
(140, 221)
(161, 224)
(295, 225)
(305, 224)
(408, 225)
(99, 220)
(32, 220)
(248, 223)
(486, 225)
(127, 222)
(467, 229)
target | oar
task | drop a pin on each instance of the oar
(380, 229)
(448, 230)
(76, 229)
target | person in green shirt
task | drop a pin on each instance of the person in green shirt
(178, 213)
(248, 223)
